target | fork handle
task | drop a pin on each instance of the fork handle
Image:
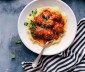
(35, 63)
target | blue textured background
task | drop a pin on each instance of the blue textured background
(9, 12)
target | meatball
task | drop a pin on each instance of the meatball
(56, 36)
(47, 12)
(56, 17)
(38, 19)
(49, 23)
(44, 33)
(59, 24)
(62, 22)
(58, 28)
(48, 34)
(39, 31)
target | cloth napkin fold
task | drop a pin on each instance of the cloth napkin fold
(70, 60)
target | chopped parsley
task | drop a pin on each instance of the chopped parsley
(32, 25)
(30, 14)
(44, 16)
(34, 12)
(13, 56)
(42, 26)
(25, 23)
(18, 41)
(49, 25)
(33, 34)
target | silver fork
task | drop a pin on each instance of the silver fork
(35, 63)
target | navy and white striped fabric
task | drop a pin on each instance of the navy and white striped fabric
(70, 60)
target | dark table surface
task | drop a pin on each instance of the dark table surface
(9, 12)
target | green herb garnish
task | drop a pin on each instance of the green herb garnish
(34, 12)
(44, 16)
(13, 56)
(25, 23)
(33, 34)
(32, 25)
(18, 41)
(42, 26)
(49, 25)
(30, 14)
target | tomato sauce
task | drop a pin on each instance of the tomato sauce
(49, 26)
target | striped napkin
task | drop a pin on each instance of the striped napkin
(70, 60)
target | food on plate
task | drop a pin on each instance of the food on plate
(46, 23)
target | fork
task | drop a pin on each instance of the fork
(35, 63)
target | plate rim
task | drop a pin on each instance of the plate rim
(21, 14)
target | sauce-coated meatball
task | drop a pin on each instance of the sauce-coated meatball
(48, 34)
(58, 28)
(39, 31)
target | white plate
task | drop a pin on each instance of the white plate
(66, 40)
